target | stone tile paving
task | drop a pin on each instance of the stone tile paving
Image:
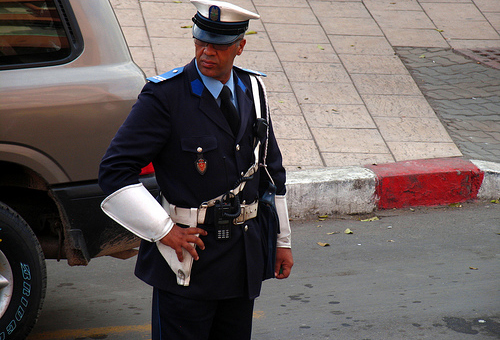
(338, 94)
(464, 94)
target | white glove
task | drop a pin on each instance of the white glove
(135, 209)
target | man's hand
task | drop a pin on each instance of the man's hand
(284, 263)
(178, 238)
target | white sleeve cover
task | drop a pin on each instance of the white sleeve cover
(139, 212)
(284, 237)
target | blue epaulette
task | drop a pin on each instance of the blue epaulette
(257, 73)
(167, 75)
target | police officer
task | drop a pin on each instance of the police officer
(205, 245)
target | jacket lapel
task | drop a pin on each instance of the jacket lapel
(245, 104)
(208, 105)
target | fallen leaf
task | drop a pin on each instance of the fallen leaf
(321, 219)
(319, 226)
(473, 268)
(439, 30)
(455, 205)
(321, 47)
(250, 32)
(375, 218)
(333, 233)
(390, 241)
(323, 244)
(495, 201)
(323, 216)
(348, 231)
(422, 56)
(187, 26)
(177, 2)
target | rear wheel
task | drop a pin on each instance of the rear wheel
(23, 276)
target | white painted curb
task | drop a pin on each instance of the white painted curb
(490, 188)
(349, 190)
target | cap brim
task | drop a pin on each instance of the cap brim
(213, 38)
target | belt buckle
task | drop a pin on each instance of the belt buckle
(240, 219)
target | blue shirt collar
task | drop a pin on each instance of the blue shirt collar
(215, 87)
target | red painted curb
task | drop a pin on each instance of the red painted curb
(427, 182)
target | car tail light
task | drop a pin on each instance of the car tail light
(148, 169)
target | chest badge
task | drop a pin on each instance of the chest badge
(201, 163)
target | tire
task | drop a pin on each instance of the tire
(23, 276)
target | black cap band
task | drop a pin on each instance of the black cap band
(217, 27)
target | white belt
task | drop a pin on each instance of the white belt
(194, 216)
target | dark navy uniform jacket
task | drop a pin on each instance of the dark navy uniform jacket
(167, 126)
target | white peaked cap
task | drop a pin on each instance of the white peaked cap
(228, 11)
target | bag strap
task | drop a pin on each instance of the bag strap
(255, 90)
(254, 80)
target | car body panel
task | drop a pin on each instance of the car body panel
(57, 118)
(70, 112)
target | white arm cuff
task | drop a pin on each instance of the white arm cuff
(284, 237)
(135, 209)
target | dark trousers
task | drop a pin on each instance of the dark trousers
(178, 318)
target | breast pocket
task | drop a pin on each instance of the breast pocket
(200, 148)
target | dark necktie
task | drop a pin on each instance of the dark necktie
(229, 110)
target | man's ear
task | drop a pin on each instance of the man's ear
(241, 46)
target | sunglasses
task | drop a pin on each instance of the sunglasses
(218, 47)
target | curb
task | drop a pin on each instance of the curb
(358, 190)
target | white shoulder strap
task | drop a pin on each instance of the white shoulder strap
(258, 112)
(253, 169)
(256, 96)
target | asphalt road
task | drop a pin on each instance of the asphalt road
(431, 273)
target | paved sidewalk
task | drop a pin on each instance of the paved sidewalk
(339, 92)
(340, 95)
(465, 95)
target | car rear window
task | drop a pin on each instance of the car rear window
(33, 32)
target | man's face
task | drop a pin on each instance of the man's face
(216, 63)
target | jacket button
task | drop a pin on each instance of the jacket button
(199, 149)
(237, 147)
(246, 228)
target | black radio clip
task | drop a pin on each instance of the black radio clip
(225, 211)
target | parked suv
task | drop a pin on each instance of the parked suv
(67, 82)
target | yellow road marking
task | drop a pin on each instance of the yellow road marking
(90, 332)
(103, 331)
(259, 314)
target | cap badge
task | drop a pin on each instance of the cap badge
(214, 13)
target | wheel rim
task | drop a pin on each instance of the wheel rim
(6, 283)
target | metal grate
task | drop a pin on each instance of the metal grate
(486, 56)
